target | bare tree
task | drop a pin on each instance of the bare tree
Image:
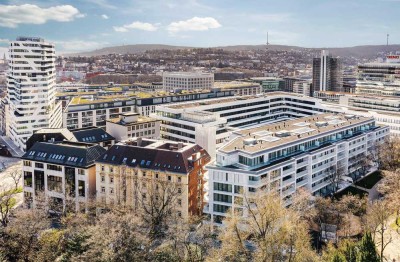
(15, 173)
(273, 231)
(20, 240)
(8, 194)
(378, 222)
(390, 187)
(336, 174)
(389, 154)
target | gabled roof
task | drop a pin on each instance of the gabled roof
(65, 153)
(92, 135)
(151, 158)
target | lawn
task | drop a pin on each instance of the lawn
(350, 191)
(369, 181)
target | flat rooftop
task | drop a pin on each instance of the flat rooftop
(234, 85)
(229, 100)
(141, 120)
(273, 135)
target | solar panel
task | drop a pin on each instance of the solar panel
(105, 156)
(148, 163)
(142, 162)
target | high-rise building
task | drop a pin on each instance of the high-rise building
(327, 73)
(31, 83)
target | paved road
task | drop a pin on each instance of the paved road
(14, 150)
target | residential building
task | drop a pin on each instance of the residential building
(147, 105)
(129, 173)
(130, 125)
(93, 135)
(31, 83)
(187, 81)
(327, 73)
(60, 175)
(82, 112)
(208, 123)
(286, 156)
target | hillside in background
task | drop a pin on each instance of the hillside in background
(367, 51)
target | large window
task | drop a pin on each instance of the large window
(54, 167)
(220, 208)
(251, 161)
(222, 198)
(222, 187)
(54, 183)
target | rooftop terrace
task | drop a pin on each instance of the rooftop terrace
(230, 99)
(272, 135)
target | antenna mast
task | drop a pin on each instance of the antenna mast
(387, 39)
(267, 41)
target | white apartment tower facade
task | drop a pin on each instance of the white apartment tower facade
(31, 90)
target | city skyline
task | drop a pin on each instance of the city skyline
(89, 25)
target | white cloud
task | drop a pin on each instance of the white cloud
(13, 15)
(137, 25)
(104, 16)
(194, 24)
(102, 4)
(3, 40)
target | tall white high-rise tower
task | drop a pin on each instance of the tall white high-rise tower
(31, 83)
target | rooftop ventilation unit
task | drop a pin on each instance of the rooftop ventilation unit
(349, 116)
(282, 133)
(321, 123)
(249, 142)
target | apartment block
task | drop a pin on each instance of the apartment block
(130, 125)
(286, 156)
(208, 123)
(82, 112)
(134, 172)
(60, 175)
(93, 135)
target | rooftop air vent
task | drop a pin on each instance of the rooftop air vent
(321, 123)
(249, 142)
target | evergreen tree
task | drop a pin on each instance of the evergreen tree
(367, 249)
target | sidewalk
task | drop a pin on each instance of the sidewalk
(14, 150)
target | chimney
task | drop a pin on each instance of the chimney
(180, 145)
(139, 141)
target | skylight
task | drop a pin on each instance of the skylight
(270, 138)
(262, 133)
(302, 130)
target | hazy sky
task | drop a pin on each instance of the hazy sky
(78, 25)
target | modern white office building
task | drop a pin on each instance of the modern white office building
(31, 83)
(289, 155)
(208, 123)
(379, 78)
(385, 110)
(187, 81)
